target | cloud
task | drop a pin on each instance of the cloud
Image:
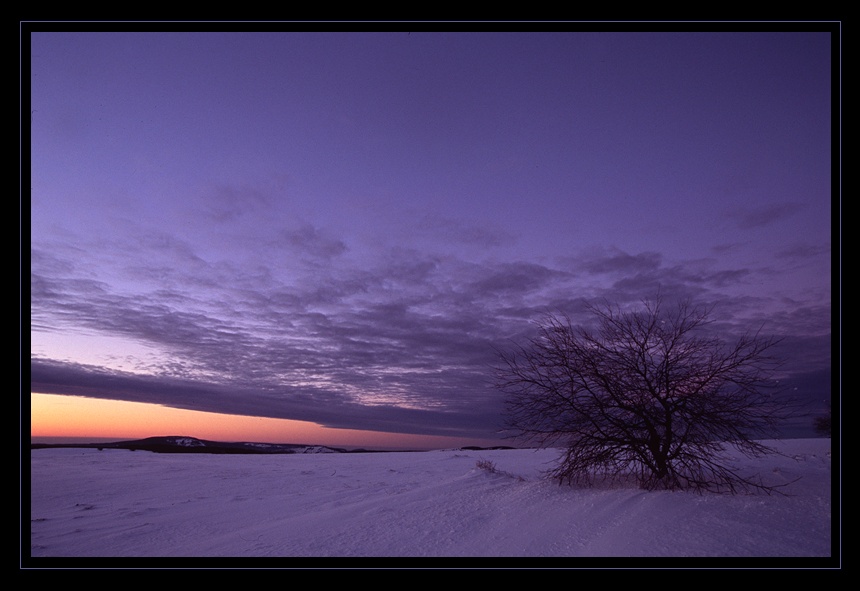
(226, 203)
(310, 240)
(513, 278)
(447, 230)
(324, 406)
(804, 251)
(405, 344)
(628, 278)
(756, 217)
(621, 262)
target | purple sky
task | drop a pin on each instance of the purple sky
(342, 227)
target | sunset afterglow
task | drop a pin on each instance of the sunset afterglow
(75, 418)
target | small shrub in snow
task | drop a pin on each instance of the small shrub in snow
(486, 465)
(490, 467)
(823, 424)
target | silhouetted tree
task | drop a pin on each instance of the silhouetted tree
(822, 424)
(647, 395)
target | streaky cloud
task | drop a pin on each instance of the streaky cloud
(756, 217)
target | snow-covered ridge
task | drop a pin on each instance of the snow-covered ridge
(316, 449)
(186, 441)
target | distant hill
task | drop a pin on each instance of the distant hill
(183, 444)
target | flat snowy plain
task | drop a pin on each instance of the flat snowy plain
(420, 505)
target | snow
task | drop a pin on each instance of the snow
(188, 442)
(443, 503)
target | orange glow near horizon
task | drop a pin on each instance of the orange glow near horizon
(60, 416)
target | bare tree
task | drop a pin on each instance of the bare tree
(646, 395)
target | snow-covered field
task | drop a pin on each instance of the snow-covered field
(117, 503)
